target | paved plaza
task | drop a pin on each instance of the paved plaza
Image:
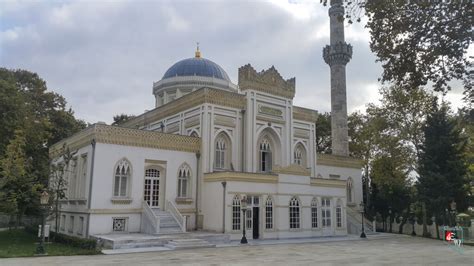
(392, 250)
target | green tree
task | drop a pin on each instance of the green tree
(443, 168)
(18, 191)
(121, 118)
(323, 133)
(419, 42)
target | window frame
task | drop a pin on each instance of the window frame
(269, 214)
(314, 213)
(294, 213)
(122, 171)
(236, 213)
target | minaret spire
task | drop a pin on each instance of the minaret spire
(337, 55)
(197, 54)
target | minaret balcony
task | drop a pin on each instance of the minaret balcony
(337, 54)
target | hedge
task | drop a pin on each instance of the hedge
(66, 239)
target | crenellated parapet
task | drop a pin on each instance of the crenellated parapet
(337, 54)
(268, 81)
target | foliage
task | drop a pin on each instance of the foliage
(419, 42)
(25, 104)
(443, 169)
(74, 241)
(121, 118)
(18, 191)
(21, 243)
(323, 133)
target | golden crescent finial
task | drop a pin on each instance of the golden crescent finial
(198, 53)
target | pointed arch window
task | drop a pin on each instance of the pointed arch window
(265, 156)
(221, 152)
(122, 178)
(314, 213)
(236, 213)
(294, 213)
(184, 176)
(349, 191)
(269, 213)
(299, 155)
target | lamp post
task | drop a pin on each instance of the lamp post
(453, 213)
(362, 211)
(243, 205)
(44, 200)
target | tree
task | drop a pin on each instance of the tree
(323, 133)
(443, 168)
(419, 42)
(18, 191)
(121, 118)
(26, 104)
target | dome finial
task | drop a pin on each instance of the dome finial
(198, 53)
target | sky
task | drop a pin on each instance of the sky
(103, 56)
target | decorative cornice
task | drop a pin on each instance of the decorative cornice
(292, 169)
(305, 114)
(122, 201)
(268, 81)
(195, 98)
(338, 161)
(101, 133)
(322, 182)
(240, 177)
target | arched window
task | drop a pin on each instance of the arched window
(184, 176)
(122, 178)
(222, 152)
(269, 213)
(265, 156)
(349, 190)
(326, 212)
(294, 213)
(314, 213)
(339, 214)
(300, 155)
(194, 134)
(236, 213)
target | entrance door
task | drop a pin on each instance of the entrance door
(151, 192)
(255, 222)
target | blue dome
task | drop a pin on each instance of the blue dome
(196, 67)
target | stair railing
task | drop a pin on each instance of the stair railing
(150, 222)
(180, 219)
(356, 215)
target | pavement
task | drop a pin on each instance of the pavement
(383, 249)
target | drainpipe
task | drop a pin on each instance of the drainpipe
(224, 183)
(93, 142)
(243, 144)
(198, 156)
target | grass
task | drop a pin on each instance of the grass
(19, 243)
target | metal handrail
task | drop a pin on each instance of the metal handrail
(355, 215)
(171, 207)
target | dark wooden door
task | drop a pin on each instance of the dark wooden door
(255, 222)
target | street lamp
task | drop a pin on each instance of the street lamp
(243, 204)
(362, 211)
(453, 213)
(44, 200)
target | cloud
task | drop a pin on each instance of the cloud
(104, 56)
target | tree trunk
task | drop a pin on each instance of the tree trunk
(437, 230)
(425, 228)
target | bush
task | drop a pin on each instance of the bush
(73, 241)
(65, 239)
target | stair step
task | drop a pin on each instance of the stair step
(188, 243)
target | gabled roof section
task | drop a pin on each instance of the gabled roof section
(268, 81)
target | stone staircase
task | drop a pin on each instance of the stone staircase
(168, 224)
(354, 222)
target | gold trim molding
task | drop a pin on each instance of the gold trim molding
(305, 114)
(292, 169)
(322, 182)
(240, 177)
(339, 161)
(268, 81)
(102, 133)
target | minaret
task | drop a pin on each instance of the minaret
(337, 55)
